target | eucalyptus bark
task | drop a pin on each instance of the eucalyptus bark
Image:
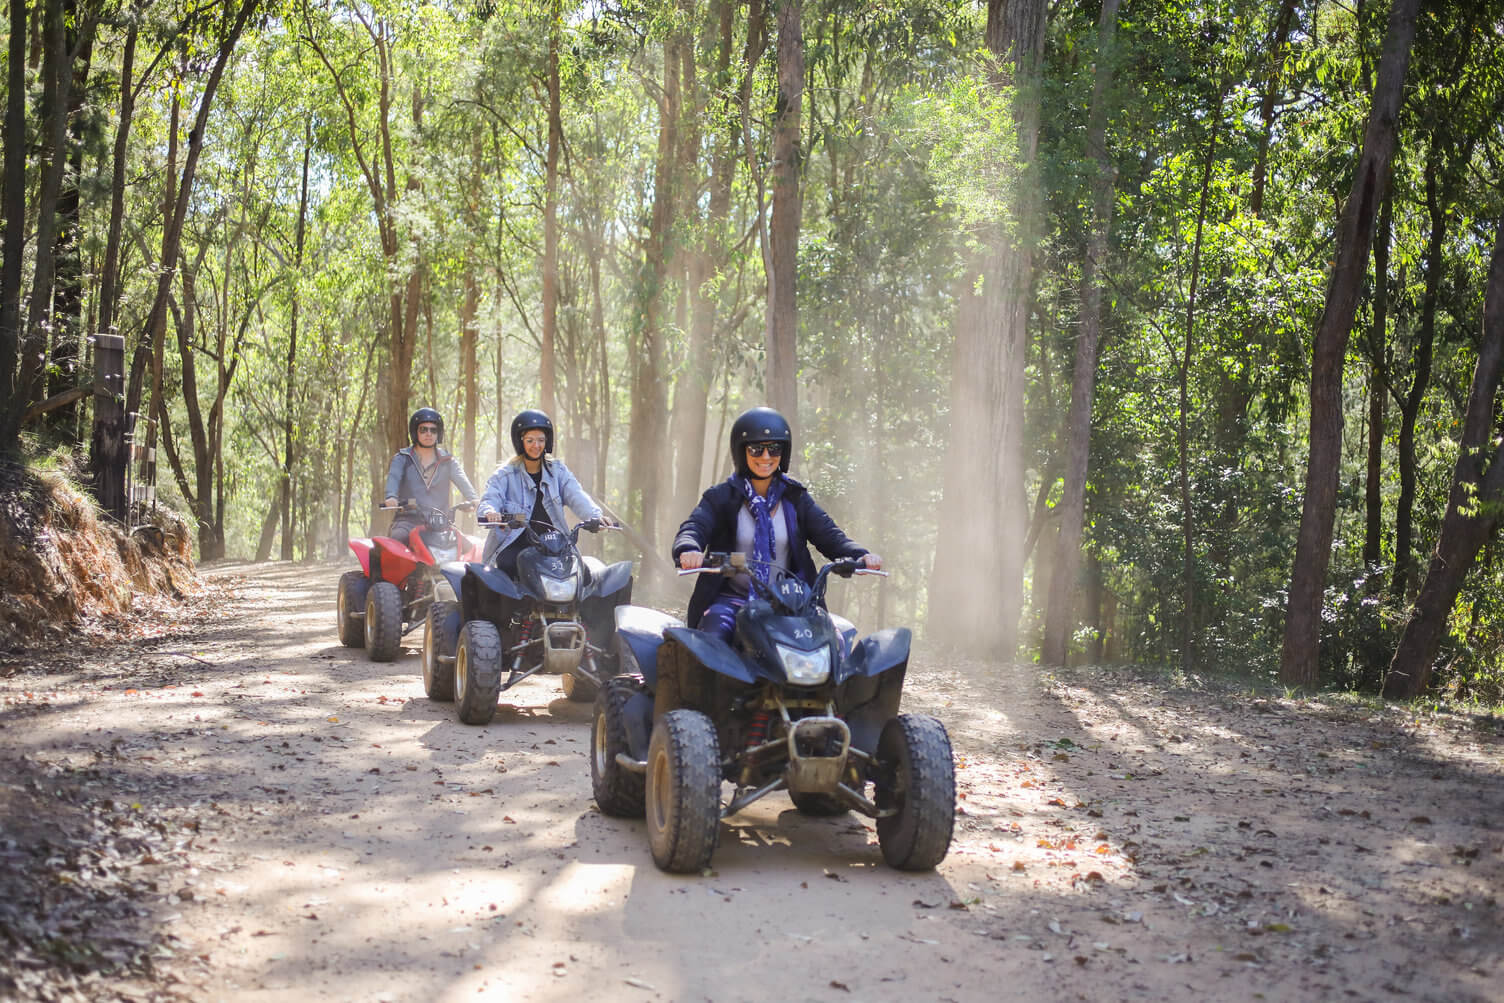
(67, 290)
(1060, 612)
(649, 415)
(289, 384)
(546, 363)
(706, 256)
(1300, 656)
(1420, 383)
(14, 208)
(109, 273)
(1378, 395)
(1474, 505)
(57, 78)
(179, 195)
(781, 343)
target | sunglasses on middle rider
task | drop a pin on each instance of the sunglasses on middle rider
(758, 449)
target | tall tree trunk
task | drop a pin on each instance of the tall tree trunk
(649, 397)
(783, 232)
(1404, 524)
(976, 603)
(109, 273)
(546, 363)
(68, 292)
(57, 77)
(172, 230)
(692, 389)
(1474, 505)
(602, 367)
(1060, 612)
(1300, 658)
(1378, 396)
(1189, 614)
(14, 199)
(289, 397)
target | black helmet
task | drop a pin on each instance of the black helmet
(531, 419)
(419, 417)
(761, 424)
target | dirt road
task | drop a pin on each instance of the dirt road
(278, 818)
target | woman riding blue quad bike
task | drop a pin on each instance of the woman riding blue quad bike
(766, 688)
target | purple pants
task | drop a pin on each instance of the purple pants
(719, 618)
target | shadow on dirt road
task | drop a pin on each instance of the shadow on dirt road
(285, 818)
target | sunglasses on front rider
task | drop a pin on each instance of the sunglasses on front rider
(758, 449)
(434, 429)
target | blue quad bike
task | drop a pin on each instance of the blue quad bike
(796, 704)
(556, 617)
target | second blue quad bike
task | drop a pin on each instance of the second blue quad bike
(795, 703)
(555, 617)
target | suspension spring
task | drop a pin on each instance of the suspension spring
(758, 729)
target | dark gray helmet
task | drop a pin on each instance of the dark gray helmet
(419, 417)
(528, 420)
(760, 424)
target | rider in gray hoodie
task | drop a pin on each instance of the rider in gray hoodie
(422, 474)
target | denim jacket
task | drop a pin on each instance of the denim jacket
(510, 490)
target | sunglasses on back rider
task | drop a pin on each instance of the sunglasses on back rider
(758, 449)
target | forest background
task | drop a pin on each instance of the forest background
(1164, 332)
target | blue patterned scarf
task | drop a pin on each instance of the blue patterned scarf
(763, 508)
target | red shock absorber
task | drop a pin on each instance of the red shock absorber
(523, 637)
(758, 729)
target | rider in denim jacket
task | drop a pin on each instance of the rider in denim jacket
(531, 484)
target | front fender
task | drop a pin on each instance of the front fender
(711, 652)
(491, 579)
(362, 548)
(640, 630)
(876, 654)
(454, 574)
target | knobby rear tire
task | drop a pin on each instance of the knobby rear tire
(350, 602)
(618, 792)
(918, 778)
(441, 637)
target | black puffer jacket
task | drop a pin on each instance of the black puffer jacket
(712, 527)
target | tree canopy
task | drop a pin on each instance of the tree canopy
(1080, 312)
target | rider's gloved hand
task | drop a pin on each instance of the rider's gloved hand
(691, 559)
(872, 561)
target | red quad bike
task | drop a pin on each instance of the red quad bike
(398, 580)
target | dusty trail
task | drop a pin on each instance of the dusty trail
(316, 829)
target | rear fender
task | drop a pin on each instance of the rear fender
(613, 579)
(362, 548)
(876, 653)
(471, 547)
(394, 560)
(711, 652)
(845, 630)
(641, 629)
